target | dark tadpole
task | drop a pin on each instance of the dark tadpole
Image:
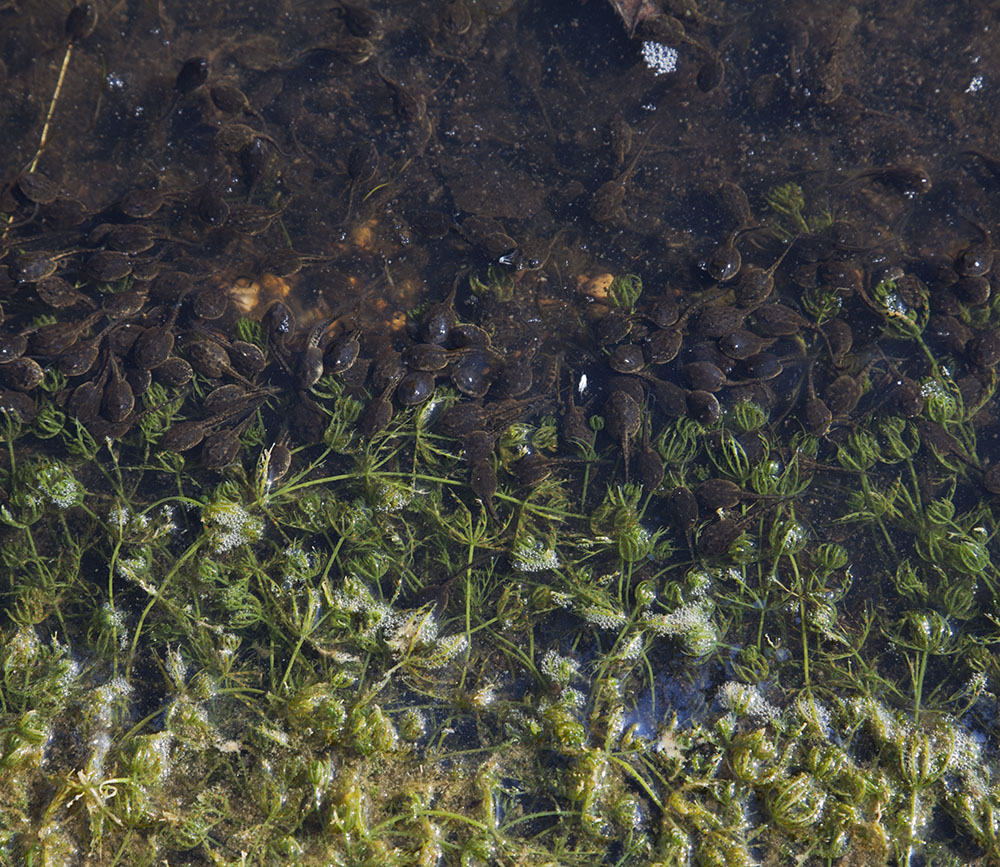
(193, 74)
(81, 21)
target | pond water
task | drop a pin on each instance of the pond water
(499, 433)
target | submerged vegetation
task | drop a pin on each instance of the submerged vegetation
(660, 531)
(355, 663)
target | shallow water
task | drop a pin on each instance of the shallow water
(504, 639)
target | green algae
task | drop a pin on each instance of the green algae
(356, 665)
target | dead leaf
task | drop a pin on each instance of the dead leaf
(634, 12)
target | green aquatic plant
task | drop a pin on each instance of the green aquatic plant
(396, 677)
(625, 292)
(792, 217)
(905, 313)
(497, 282)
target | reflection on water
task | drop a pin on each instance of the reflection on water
(479, 433)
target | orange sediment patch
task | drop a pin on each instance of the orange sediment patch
(363, 236)
(253, 297)
(596, 287)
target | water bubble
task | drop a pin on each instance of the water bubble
(659, 57)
